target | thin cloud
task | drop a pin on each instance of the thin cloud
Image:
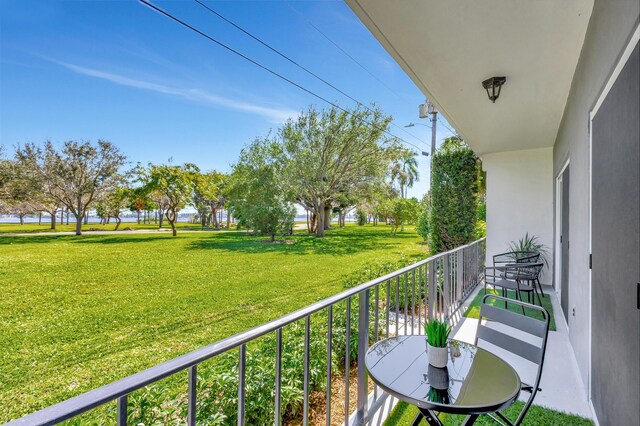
(278, 115)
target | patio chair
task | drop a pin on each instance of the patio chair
(534, 353)
(518, 277)
(527, 257)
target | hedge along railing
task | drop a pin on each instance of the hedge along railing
(434, 287)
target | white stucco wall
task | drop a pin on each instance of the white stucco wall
(519, 200)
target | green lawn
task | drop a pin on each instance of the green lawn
(16, 228)
(79, 312)
(474, 309)
(403, 415)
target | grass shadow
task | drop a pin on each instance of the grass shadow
(79, 239)
(336, 242)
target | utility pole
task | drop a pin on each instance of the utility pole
(426, 109)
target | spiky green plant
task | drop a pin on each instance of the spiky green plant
(437, 333)
(530, 243)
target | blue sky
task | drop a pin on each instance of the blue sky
(120, 71)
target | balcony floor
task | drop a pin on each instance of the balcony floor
(562, 388)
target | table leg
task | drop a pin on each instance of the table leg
(417, 420)
(429, 416)
(471, 419)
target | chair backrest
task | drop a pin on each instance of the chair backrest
(515, 256)
(527, 324)
(517, 346)
(528, 271)
(529, 258)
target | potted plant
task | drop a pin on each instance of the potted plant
(437, 336)
(532, 244)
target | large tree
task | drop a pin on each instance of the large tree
(173, 185)
(18, 193)
(115, 201)
(39, 172)
(332, 154)
(400, 211)
(258, 194)
(76, 174)
(205, 194)
(404, 169)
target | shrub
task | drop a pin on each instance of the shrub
(361, 217)
(454, 189)
(422, 223)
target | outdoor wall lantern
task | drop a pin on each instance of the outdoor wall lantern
(493, 86)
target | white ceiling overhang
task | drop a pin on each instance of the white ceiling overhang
(449, 47)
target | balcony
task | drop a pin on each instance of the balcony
(331, 337)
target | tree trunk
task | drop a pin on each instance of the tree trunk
(172, 216)
(203, 220)
(327, 218)
(228, 219)
(308, 224)
(78, 226)
(61, 216)
(86, 218)
(77, 219)
(273, 237)
(54, 221)
(214, 216)
(118, 220)
(320, 222)
(21, 216)
(220, 218)
(161, 214)
(138, 216)
(40, 218)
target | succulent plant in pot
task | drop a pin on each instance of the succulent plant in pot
(437, 336)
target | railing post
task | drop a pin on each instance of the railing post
(307, 342)
(329, 345)
(191, 409)
(277, 421)
(460, 275)
(242, 363)
(447, 285)
(477, 264)
(432, 288)
(363, 345)
(122, 410)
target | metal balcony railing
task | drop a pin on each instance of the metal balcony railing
(400, 303)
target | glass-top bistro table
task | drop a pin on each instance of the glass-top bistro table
(474, 381)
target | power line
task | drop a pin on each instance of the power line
(448, 128)
(265, 68)
(343, 50)
(302, 67)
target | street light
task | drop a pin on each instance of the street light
(416, 124)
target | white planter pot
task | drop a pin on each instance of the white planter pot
(438, 357)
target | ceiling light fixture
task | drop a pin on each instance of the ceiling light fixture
(492, 86)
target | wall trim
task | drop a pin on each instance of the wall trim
(557, 255)
(622, 61)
